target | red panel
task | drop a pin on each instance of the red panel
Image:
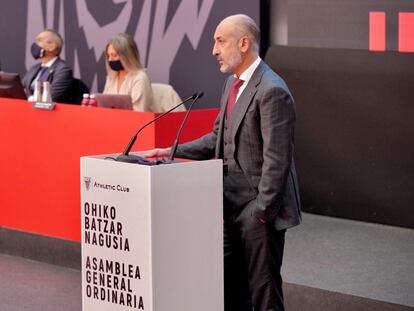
(377, 31)
(406, 32)
(199, 122)
(40, 165)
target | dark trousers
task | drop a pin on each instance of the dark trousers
(253, 253)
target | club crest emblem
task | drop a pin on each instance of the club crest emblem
(87, 181)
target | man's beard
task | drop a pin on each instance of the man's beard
(233, 62)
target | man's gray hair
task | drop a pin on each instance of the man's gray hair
(246, 26)
(56, 38)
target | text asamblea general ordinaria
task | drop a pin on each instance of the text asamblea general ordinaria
(101, 227)
(110, 281)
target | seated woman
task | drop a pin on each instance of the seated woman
(126, 75)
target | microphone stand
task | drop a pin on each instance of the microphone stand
(175, 145)
(130, 158)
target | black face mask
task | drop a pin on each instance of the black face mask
(37, 51)
(116, 65)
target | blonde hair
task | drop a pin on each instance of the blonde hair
(127, 49)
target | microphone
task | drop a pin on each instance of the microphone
(175, 145)
(130, 158)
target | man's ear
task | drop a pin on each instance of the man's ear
(244, 44)
(52, 48)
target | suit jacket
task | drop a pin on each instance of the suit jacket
(60, 77)
(263, 127)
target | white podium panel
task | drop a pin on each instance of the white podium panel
(152, 236)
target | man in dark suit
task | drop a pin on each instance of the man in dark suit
(46, 48)
(255, 139)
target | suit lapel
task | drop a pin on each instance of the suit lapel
(241, 106)
(245, 99)
(51, 70)
(34, 72)
(222, 115)
(48, 74)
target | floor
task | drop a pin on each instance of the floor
(367, 260)
(349, 257)
(35, 286)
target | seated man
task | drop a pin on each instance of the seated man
(46, 48)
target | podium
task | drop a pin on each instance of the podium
(152, 236)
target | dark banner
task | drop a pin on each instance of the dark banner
(175, 37)
(376, 25)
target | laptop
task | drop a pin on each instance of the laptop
(11, 86)
(116, 101)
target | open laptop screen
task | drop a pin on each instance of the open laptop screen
(114, 101)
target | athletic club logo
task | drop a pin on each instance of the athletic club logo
(87, 181)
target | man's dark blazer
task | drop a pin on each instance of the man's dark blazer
(263, 127)
(60, 77)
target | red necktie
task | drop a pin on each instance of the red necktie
(237, 83)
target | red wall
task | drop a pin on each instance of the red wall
(40, 151)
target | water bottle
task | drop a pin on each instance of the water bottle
(85, 100)
(37, 93)
(46, 97)
(92, 101)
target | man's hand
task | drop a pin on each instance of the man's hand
(157, 153)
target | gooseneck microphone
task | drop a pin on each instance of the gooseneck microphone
(130, 158)
(175, 145)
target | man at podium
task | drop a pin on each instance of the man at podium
(254, 135)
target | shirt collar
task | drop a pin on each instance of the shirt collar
(247, 74)
(50, 63)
